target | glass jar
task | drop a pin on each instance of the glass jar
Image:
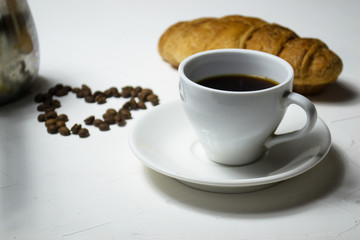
(19, 49)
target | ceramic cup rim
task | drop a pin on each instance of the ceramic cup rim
(243, 52)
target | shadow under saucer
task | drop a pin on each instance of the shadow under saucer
(292, 193)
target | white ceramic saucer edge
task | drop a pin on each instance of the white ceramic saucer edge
(167, 116)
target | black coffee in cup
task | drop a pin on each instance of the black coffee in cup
(237, 82)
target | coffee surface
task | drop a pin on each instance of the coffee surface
(237, 82)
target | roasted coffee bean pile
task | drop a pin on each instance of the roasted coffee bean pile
(57, 123)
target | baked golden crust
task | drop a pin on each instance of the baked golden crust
(315, 65)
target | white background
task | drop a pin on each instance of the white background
(55, 187)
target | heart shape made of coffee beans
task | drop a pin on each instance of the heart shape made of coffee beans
(56, 123)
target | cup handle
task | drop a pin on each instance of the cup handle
(310, 110)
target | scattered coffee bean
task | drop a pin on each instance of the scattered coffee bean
(109, 119)
(119, 117)
(56, 103)
(121, 122)
(40, 97)
(90, 99)
(126, 92)
(85, 90)
(111, 112)
(52, 91)
(61, 92)
(141, 105)
(63, 117)
(108, 93)
(104, 126)
(144, 93)
(52, 129)
(58, 86)
(85, 87)
(97, 122)
(133, 104)
(51, 114)
(134, 92)
(89, 120)
(80, 94)
(100, 99)
(68, 88)
(64, 131)
(75, 129)
(41, 117)
(115, 92)
(50, 122)
(97, 93)
(153, 99)
(59, 124)
(44, 107)
(125, 112)
(83, 132)
(56, 123)
(127, 105)
(75, 90)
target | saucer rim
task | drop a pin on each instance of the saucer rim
(247, 182)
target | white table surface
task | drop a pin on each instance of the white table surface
(55, 187)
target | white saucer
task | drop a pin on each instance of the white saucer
(164, 141)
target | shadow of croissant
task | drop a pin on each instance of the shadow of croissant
(289, 195)
(338, 92)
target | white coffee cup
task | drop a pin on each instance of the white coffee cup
(237, 127)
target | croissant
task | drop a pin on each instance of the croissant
(315, 65)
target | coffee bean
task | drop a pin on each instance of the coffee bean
(104, 126)
(126, 92)
(115, 92)
(52, 129)
(133, 104)
(83, 132)
(90, 99)
(80, 94)
(64, 131)
(125, 112)
(97, 122)
(127, 105)
(50, 122)
(85, 90)
(68, 88)
(39, 98)
(50, 114)
(41, 117)
(58, 86)
(111, 111)
(56, 123)
(76, 90)
(52, 91)
(109, 119)
(121, 122)
(56, 103)
(44, 107)
(75, 129)
(89, 120)
(153, 99)
(59, 124)
(85, 87)
(108, 93)
(144, 93)
(100, 99)
(119, 117)
(63, 117)
(141, 105)
(61, 92)
(134, 92)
